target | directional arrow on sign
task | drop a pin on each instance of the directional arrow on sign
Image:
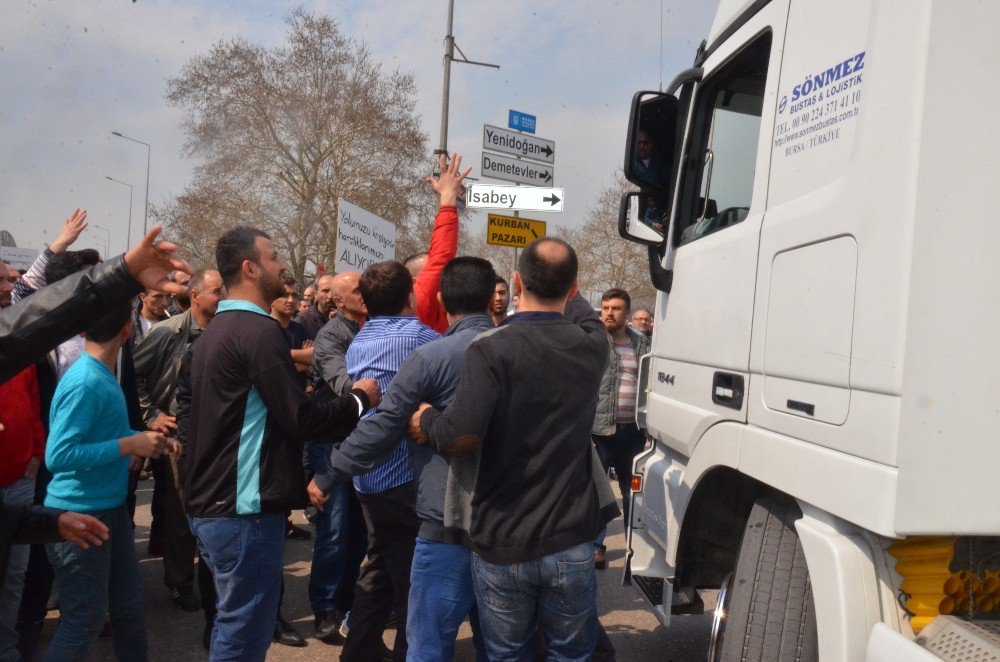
(506, 141)
(515, 170)
(519, 198)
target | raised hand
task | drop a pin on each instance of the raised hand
(150, 261)
(449, 182)
(72, 227)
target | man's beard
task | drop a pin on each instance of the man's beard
(272, 287)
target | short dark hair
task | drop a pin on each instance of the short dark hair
(546, 278)
(501, 279)
(109, 326)
(385, 288)
(68, 263)
(288, 279)
(467, 285)
(618, 293)
(233, 248)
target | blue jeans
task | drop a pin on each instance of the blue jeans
(559, 591)
(245, 555)
(19, 493)
(441, 596)
(96, 583)
(340, 543)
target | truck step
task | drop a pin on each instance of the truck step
(951, 638)
(651, 589)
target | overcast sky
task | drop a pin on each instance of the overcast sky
(73, 71)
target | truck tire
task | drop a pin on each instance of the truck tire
(770, 615)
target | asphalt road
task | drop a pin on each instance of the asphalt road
(175, 636)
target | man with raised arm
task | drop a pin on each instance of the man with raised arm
(426, 267)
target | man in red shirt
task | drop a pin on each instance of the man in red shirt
(426, 267)
(22, 447)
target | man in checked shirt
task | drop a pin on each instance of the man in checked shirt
(387, 493)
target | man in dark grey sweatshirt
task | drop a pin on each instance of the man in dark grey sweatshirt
(528, 502)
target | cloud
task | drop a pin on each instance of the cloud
(74, 72)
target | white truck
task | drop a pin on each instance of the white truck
(820, 197)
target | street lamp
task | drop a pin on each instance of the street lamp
(107, 243)
(128, 239)
(145, 209)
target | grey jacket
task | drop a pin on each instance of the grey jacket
(329, 350)
(157, 360)
(607, 396)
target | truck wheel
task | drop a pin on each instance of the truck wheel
(770, 614)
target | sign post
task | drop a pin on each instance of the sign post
(516, 170)
(515, 198)
(512, 230)
(363, 238)
(521, 121)
(517, 144)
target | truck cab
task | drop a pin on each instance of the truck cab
(814, 194)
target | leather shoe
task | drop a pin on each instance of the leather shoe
(286, 635)
(296, 533)
(328, 626)
(185, 598)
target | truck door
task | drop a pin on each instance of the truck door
(699, 370)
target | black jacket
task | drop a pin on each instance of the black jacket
(56, 313)
(25, 525)
(525, 405)
(248, 418)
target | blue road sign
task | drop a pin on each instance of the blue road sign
(521, 121)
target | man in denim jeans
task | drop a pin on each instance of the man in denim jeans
(90, 444)
(528, 501)
(243, 454)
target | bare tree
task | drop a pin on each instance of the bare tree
(284, 132)
(607, 260)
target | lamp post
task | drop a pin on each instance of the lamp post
(145, 209)
(107, 242)
(128, 239)
(449, 56)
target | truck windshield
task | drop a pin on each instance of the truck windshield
(725, 144)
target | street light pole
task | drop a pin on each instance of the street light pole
(449, 56)
(145, 209)
(107, 242)
(128, 239)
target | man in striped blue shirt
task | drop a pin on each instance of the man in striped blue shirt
(387, 493)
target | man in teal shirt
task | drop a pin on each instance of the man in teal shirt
(88, 452)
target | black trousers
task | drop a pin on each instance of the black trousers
(618, 451)
(179, 545)
(161, 476)
(384, 582)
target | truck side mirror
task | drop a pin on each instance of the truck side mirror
(642, 218)
(652, 140)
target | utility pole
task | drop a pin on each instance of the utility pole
(449, 56)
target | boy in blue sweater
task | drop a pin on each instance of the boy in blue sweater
(89, 446)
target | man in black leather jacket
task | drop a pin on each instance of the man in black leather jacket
(32, 327)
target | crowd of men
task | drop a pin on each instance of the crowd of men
(435, 430)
